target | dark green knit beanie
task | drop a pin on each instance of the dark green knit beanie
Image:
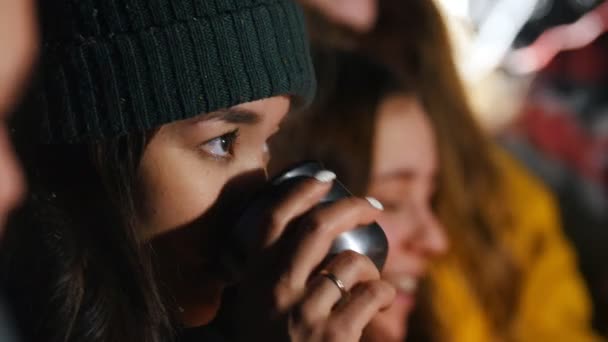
(116, 66)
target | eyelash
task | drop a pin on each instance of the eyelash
(230, 140)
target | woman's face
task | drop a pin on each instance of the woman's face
(189, 171)
(403, 178)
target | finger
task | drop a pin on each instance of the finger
(278, 208)
(348, 320)
(318, 230)
(350, 268)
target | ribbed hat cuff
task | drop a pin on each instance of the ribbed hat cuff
(135, 81)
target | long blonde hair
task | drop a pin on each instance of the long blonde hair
(411, 36)
(411, 39)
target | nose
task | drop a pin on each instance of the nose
(436, 237)
(11, 180)
(266, 158)
(250, 175)
(258, 160)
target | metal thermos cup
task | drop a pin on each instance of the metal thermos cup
(368, 240)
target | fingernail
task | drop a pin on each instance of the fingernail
(375, 203)
(325, 176)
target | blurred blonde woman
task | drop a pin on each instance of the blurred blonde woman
(509, 274)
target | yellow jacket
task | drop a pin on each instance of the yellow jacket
(553, 306)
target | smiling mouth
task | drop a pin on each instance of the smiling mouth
(408, 284)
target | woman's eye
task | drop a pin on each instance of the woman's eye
(221, 147)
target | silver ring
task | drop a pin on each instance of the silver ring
(339, 284)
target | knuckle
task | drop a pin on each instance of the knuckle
(276, 219)
(308, 315)
(317, 224)
(278, 297)
(283, 292)
(375, 289)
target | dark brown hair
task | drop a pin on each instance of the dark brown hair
(72, 263)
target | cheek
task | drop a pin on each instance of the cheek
(396, 233)
(175, 193)
(177, 198)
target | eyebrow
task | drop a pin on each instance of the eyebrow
(231, 115)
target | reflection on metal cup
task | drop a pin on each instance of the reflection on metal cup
(368, 240)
